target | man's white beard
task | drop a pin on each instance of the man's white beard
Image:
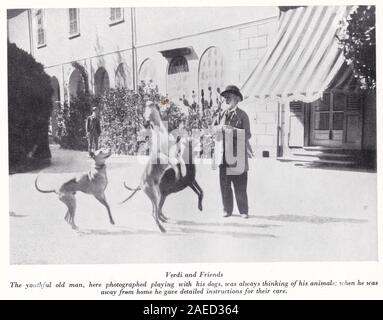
(226, 106)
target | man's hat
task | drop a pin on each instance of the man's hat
(234, 90)
(94, 109)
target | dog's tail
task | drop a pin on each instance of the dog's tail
(131, 189)
(43, 191)
(130, 195)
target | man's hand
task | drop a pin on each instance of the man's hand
(222, 127)
(217, 128)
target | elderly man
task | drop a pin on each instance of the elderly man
(234, 126)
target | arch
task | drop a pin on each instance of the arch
(123, 77)
(147, 72)
(101, 81)
(53, 127)
(178, 79)
(211, 75)
(56, 97)
(76, 83)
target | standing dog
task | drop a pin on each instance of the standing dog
(92, 182)
(161, 176)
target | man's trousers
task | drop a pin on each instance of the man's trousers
(240, 189)
(92, 142)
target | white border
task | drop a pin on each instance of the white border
(337, 271)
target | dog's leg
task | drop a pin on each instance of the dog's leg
(102, 199)
(154, 196)
(157, 210)
(197, 189)
(161, 215)
(70, 201)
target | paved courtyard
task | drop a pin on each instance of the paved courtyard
(296, 214)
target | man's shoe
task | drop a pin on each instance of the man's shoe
(245, 216)
(226, 214)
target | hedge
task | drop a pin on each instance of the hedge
(29, 109)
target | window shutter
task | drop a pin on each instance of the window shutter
(40, 28)
(116, 14)
(113, 14)
(73, 21)
(353, 102)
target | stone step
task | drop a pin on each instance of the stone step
(331, 150)
(317, 161)
(321, 154)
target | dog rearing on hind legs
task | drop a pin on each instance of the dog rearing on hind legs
(165, 174)
(92, 182)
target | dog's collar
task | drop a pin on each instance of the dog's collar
(100, 166)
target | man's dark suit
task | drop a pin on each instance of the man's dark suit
(93, 131)
(238, 119)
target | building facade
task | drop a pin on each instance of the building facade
(187, 53)
(299, 94)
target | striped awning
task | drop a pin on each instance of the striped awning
(304, 59)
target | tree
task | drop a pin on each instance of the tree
(29, 109)
(358, 43)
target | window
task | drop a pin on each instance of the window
(116, 15)
(74, 23)
(40, 28)
(178, 64)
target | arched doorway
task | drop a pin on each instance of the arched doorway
(147, 72)
(76, 84)
(123, 76)
(211, 76)
(53, 127)
(101, 81)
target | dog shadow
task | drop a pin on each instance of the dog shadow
(193, 227)
(122, 232)
(221, 224)
(226, 233)
(183, 228)
(309, 219)
(15, 215)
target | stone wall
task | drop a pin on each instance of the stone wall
(264, 127)
(251, 45)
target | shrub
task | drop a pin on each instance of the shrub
(121, 118)
(29, 109)
(71, 121)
